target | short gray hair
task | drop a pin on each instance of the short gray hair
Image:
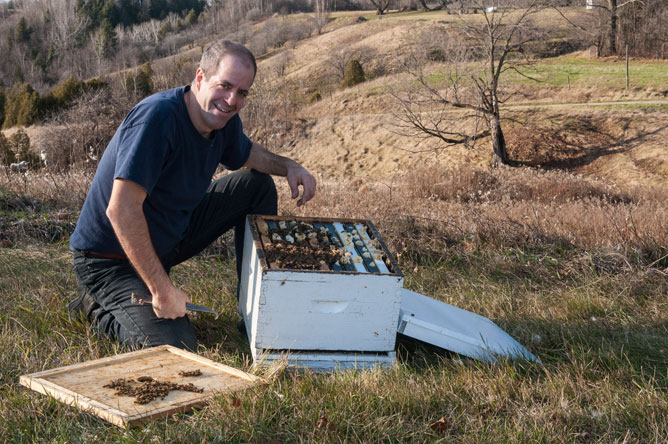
(218, 49)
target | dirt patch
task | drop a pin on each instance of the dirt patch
(146, 389)
(569, 142)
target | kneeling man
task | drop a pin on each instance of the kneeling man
(152, 203)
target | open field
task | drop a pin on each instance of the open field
(567, 254)
(587, 72)
(572, 268)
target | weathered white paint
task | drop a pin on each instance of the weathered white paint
(326, 361)
(455, 329)
(326, 311)
(318, 314)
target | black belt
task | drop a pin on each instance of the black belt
(95, 254)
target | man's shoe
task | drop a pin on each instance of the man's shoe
(84, 303)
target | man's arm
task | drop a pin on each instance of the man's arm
(127, 218)
(267, 162)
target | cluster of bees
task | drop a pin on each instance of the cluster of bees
(333, 246)
(297, 245)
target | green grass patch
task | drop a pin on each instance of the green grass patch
(649, 107)
(584, 72)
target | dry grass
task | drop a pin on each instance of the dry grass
(522, 207)
(571, 265)
(563, 263)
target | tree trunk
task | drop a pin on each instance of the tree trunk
(612, 36)
(499, 153)
(425, 7)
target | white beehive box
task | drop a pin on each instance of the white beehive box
(319, 318)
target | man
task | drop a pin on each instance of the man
(152, 204)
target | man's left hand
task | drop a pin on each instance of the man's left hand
(297, 176)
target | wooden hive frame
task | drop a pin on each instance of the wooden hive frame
(82, 385)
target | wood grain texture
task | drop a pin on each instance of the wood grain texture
(81, 385)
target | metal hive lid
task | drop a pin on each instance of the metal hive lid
(455, 329)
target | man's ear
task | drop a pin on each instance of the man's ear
(199, 76)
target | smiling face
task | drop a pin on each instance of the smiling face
(218, 96)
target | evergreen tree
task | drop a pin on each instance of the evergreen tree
(110, 13)
(21, 107)
(191, 18)
(127, 12)
(142, 82)
(10, 36)
(22, 31)
(353, 75)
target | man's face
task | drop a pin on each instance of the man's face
(223, 93)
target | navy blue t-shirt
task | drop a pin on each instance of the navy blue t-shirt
(158, 147)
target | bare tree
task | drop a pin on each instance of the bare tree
(380, 5)
(340, 58)
(610, 10)
(321, 9)
(477, 54)
(68, 28)
(607, 32)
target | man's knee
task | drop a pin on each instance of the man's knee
(247, 182)
(182, 339)
(263, 189)
(138, 327)
(185, 340)
(263, 183)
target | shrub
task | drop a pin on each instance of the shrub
(19, 143)
(354, 74)
(141, 83)
(191, 18)
(65, 92)
(436, 55)
(2, 106)
(98, 114)
(22, 106)
(7, 155)
(253, 15)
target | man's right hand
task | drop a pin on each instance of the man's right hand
(170, 303)
(126, 214)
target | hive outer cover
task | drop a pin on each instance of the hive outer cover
(455, 329)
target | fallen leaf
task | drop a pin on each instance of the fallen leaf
(324, 424)
(236, 402)
(440, 426)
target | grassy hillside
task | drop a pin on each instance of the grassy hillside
(568, 255)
